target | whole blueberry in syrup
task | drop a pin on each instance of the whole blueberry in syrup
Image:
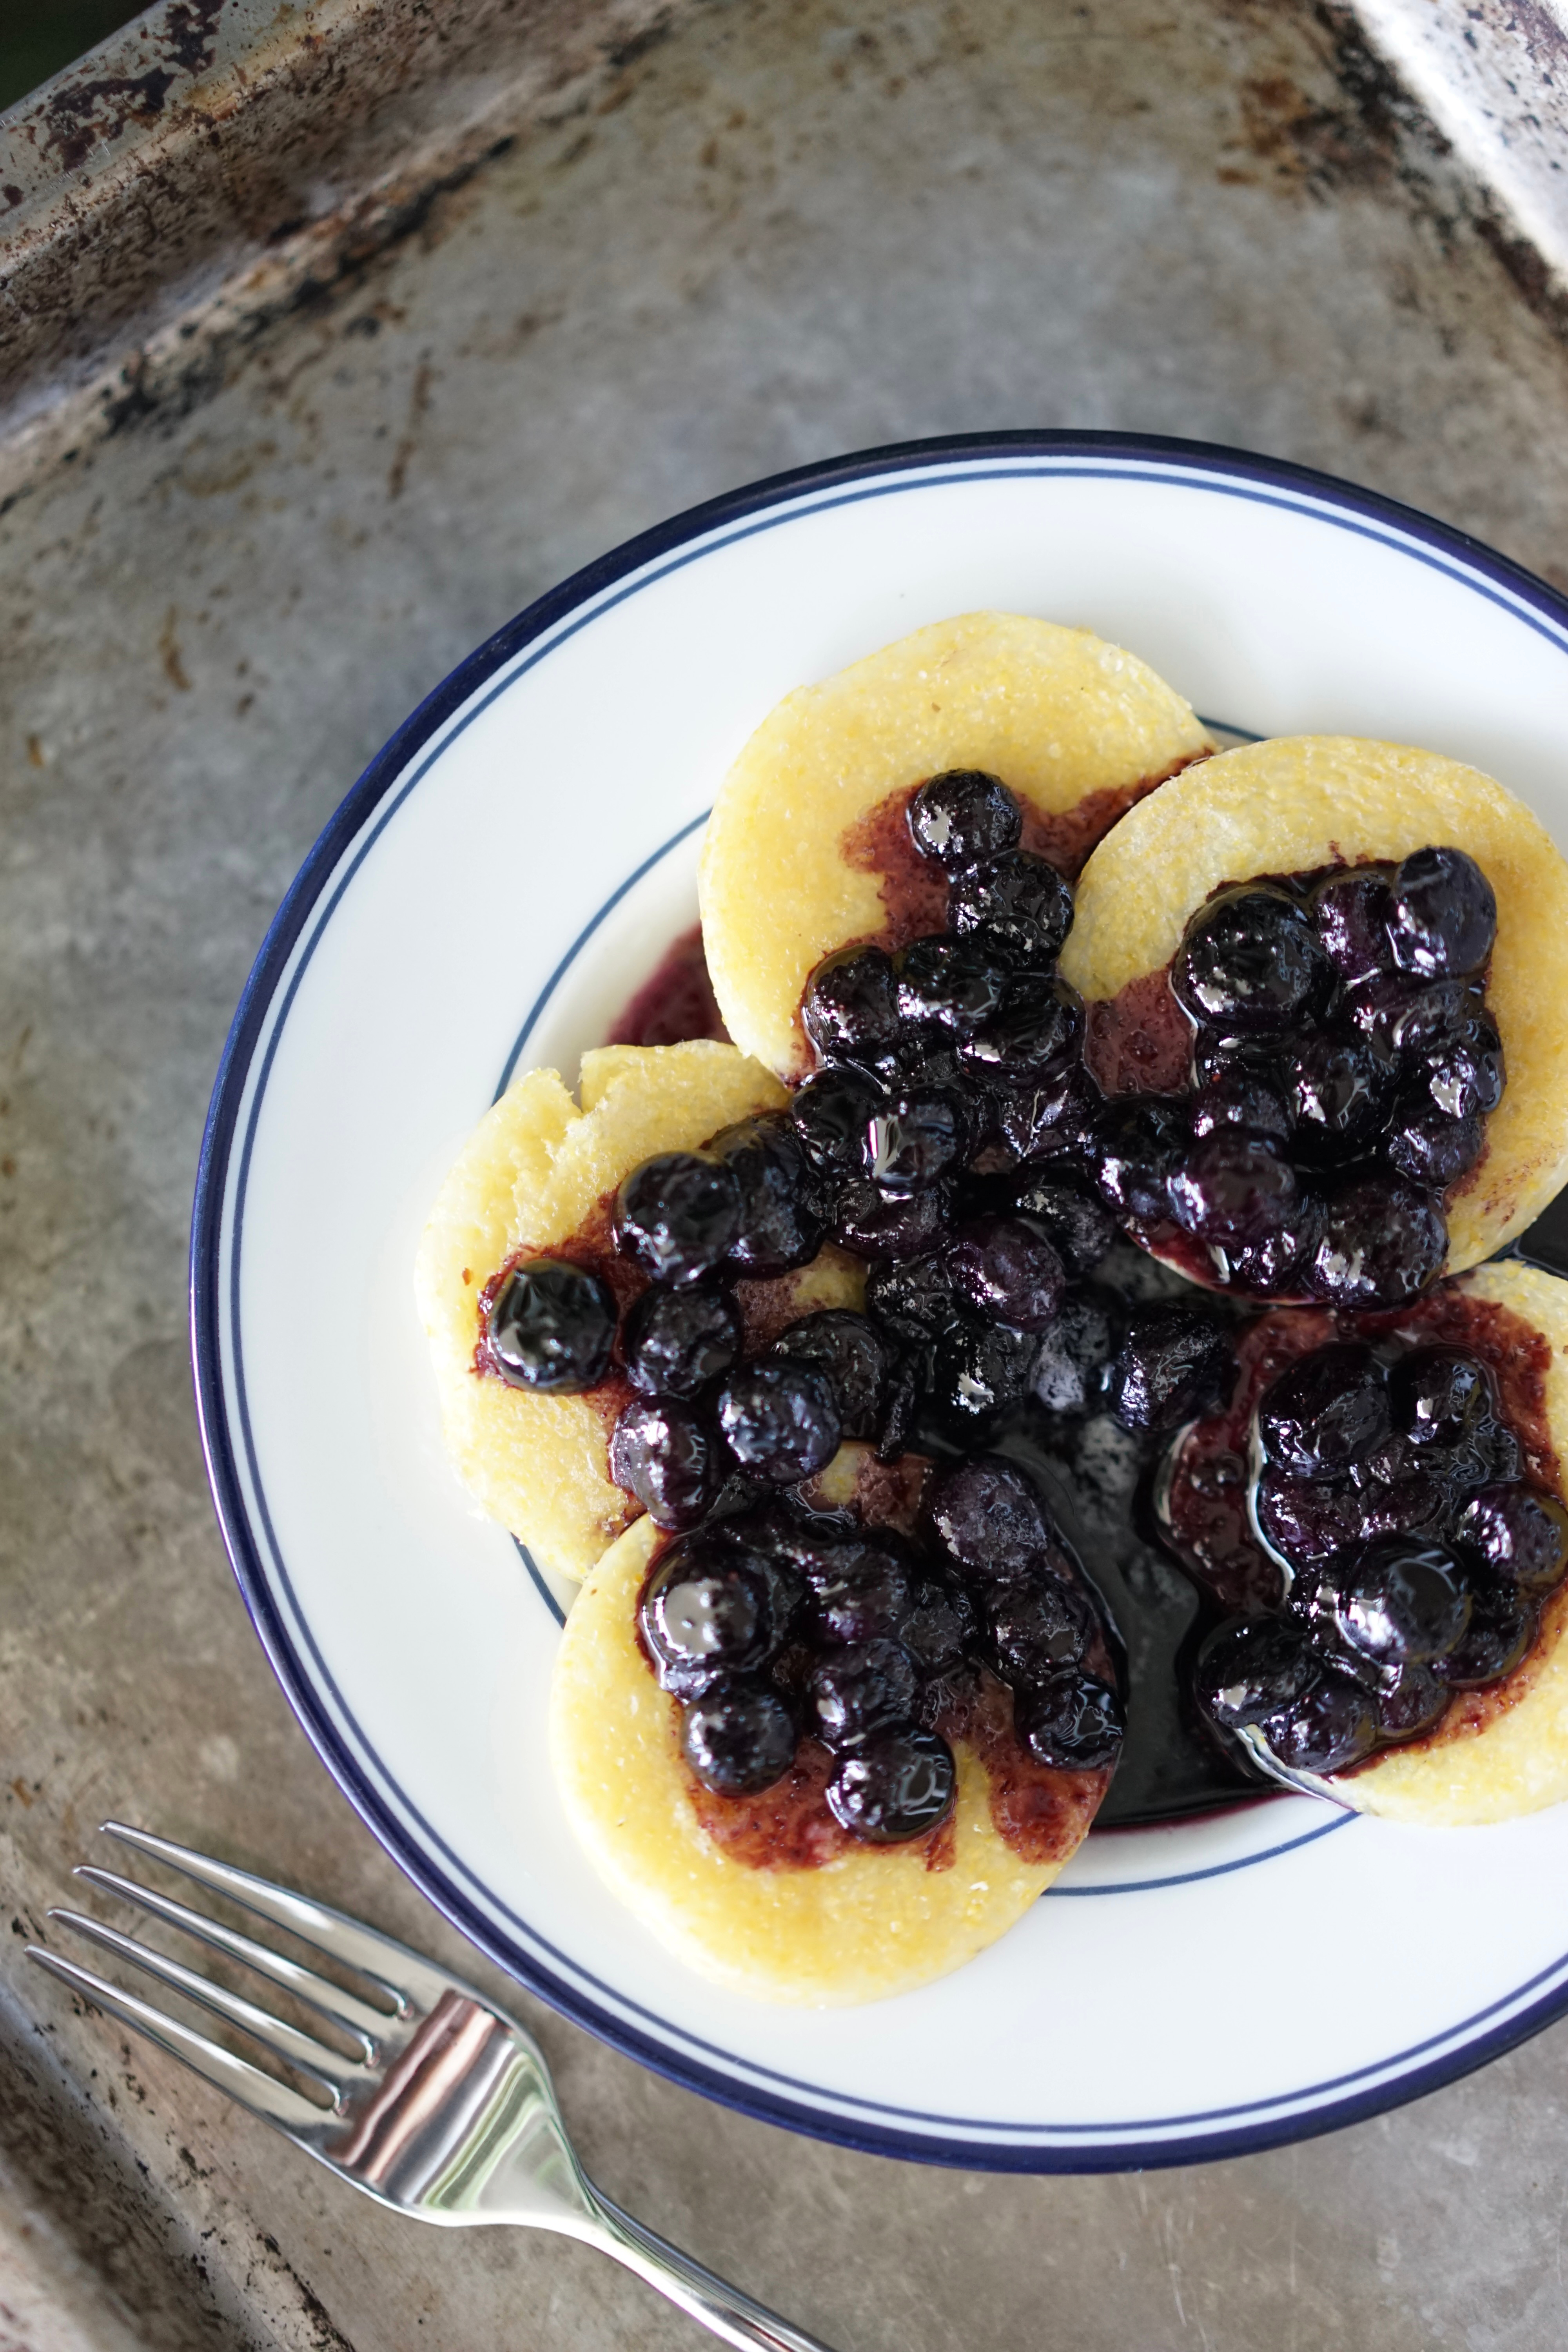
(1072, 1369)
(853, 1359)
(948, 984)
(663, 1451)
(1235, 1190)
(861, 1688)
(991, 1518)
(1251, 1669)
(1017, 905)
(552, 1326)
(1442, 917)
(678, 1215)
(780, 1420)
(1006, 1267)
(1328, 1411)
(963, 816)
(1351, 914)
(913, 1140)
(1383, 1243)
(1250, 962)
(1081, 1229)
(875, 1224)
(832, 1112)
(1037, 1026)
(1072, 1720)
(1401, 1604)
(851, 1006)
(896, 1786)
(1521, 1535)
(675, 1342)
(859, 1592)
(778, 1229)
(978, 1370)
(705, 1611)
(738, 1737)
(1137, 1141)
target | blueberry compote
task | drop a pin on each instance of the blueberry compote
(824, 1662)
(1297, 1093)
(1377, 1513)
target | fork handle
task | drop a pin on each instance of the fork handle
(713, 2304)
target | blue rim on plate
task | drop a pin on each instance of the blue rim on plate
(430, 1863)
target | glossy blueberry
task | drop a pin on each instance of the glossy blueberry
(1331, 1725)
(779, 1228)
(1439, 1396)
(1006, 1267)
(861, 1592)
(552, 1326)
(1521, 1535)
(1050, 1114)
(704, 1612)
(1037, 1628)
(912, 1297)
(1274, 1267)
(1081, 1229)
(964, 816)
(1465, 1076)
(864, 1687)
(738, 1737)
(1308, 1519)
(1137, 1141)
(938, 1628)
(1442, 917)
(1411, 1702)
(675, 1342)
(1402, 1602)
(914, 1140)
(1252, 1668)
(1350, 912)
(832, 1113)
(1071, 1721)
(1433, 1150)
(1503, 1622)
(897, 1786)
(1330, 1409)
(780, 1420)
(1238, 1096)
(1250, 963)
(1416, 1505)
(1037, 1028)
(978, 1371)
(992, 1518)
(1408, 1016)
(948, 984)
(1016, 901)
(1340, 1091)
(874, 1223)
(1383, 1243)
(850, 1004)
(1072, 1371)
(1235, 1190)
(678, 1215)
(852, 1358)
(661, 1451)
(1173, 1363)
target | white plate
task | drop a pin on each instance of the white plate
(498, 882)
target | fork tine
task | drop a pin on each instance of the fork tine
(345, 2008)
(273, 2101)
(275, 2034)
(330, 1931)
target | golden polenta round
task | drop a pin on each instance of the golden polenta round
(791, 865)
(870, 1922)
(538, 1170)
(1304, 802)
(1517, 1762)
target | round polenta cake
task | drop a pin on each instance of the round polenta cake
(806, 850)
(1501, 1751)
(872, 1921)
(1302, 803)
(538, 1171)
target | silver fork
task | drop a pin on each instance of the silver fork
(444, 2110)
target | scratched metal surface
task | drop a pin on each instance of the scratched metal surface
(790, 227)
